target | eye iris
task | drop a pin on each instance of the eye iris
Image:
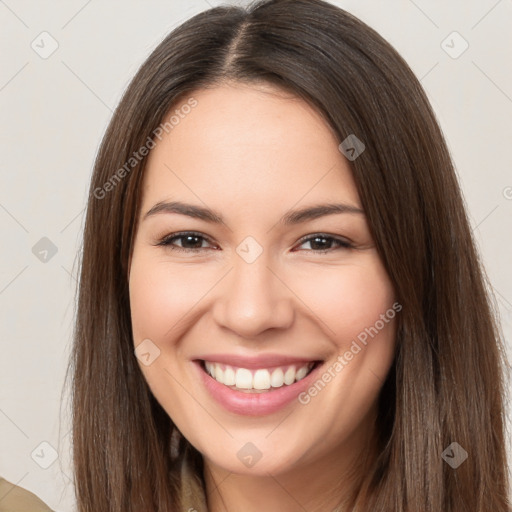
(324, 242)
(195, 245)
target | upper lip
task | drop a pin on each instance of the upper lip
(254, 362)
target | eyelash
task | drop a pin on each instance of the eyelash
(167, 242)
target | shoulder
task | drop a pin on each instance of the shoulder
(17, 499)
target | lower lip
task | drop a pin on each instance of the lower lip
(255, 404)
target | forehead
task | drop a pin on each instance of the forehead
(247, 146)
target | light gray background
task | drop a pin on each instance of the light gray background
(54, 113)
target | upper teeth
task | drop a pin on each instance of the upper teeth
(256, 379)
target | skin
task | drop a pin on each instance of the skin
(253, 153)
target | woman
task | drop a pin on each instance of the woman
(281, 306)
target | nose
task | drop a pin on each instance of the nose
(253, 298)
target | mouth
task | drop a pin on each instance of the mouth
(257, 380)
(258, 385)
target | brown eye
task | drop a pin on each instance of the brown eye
(190, 241)
(324, 243)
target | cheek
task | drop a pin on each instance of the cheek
(347, 300)
(161, 295)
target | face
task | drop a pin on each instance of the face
(286, 304)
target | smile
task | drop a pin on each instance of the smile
(260, 386)
(257, 379)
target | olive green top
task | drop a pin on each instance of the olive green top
(17, 499)
(193, 498)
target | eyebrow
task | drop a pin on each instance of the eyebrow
(290, 218)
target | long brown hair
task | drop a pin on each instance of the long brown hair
(446, 383)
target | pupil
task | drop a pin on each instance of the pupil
(315, 240)
(187, 238)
